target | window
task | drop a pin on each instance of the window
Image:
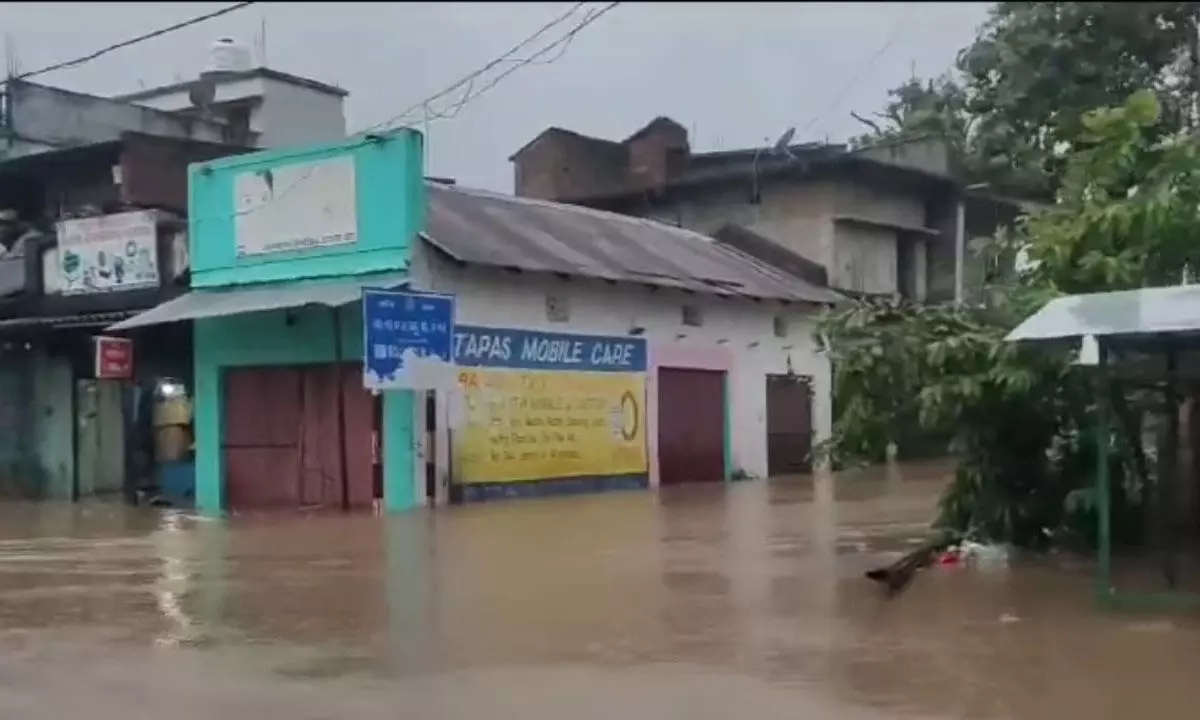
(781, 326)
(691, 316)
(557, 308)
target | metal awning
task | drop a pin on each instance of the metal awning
(1127, 313)
(66, 321)
(224, 302)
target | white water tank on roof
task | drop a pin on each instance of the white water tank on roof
(227, 55)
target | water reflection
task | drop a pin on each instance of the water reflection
(172, 544)
(744, 599)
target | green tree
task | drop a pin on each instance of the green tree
(1038, 67)
(921, 108)
(1015, 105)
(1017, 416)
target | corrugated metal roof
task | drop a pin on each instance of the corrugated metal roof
(476, 226)
(1149, 311)
(238, 300)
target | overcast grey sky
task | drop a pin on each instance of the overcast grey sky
(735, 74)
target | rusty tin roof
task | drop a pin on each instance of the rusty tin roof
(485, 228)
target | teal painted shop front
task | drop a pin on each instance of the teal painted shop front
(283, 338)
(282, 242)
(389, 186)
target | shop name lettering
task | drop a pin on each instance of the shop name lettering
(504, 349)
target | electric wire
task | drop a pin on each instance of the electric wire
(133, 41)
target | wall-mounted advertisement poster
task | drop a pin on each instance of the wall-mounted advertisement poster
(108, 253)
(543, 406)
(298, 207)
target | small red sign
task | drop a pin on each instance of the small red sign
(114, 358)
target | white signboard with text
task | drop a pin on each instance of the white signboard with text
(108, 253)
(296, 207)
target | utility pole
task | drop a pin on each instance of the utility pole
(1193, 105)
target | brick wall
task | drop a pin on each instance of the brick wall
(656, 156)
(562, 165)
(799, 214)
(154, 170)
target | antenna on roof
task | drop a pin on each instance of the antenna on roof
(261, 41)
(782, 146)
(12, 59)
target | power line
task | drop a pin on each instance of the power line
(135, 40)
(470, 79)
(893, 35)
(563, 43)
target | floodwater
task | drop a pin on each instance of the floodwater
(711, 602)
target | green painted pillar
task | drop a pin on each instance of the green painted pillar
(411, 587)
(207, 410)
(399, 447)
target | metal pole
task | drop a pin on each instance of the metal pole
(343, 463)
(1103, 511)
(1169, 476)
(960, 247)
(75, 490)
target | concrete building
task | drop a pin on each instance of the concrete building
(94, 196)
(594, 350)
(734, 385)
(274, 108)
(888, 220)
(37, 118)
(282, 244)
(229, 103)
(89, 235)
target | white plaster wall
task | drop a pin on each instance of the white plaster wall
(46, 118)
(742, 328)
(796, 215)
(800, 216)
(284, 114)
(885, 205)
(294, 115)
(178, 99)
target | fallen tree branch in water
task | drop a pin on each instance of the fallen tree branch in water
(897, 576)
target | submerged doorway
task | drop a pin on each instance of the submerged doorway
(100, 442)
(691, 426)
(282, 442)
(789, 424)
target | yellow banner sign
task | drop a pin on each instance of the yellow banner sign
(535, 425)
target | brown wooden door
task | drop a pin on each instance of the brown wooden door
(263, 408)
(361, 418)
(691, 426)
(282, 439)
(789, 424)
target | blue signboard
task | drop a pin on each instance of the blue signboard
(399, 325)
(535, 350)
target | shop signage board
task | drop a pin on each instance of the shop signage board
(108, 253)
(408, 339)
(545, 405)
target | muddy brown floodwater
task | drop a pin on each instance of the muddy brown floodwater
(713, 602)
